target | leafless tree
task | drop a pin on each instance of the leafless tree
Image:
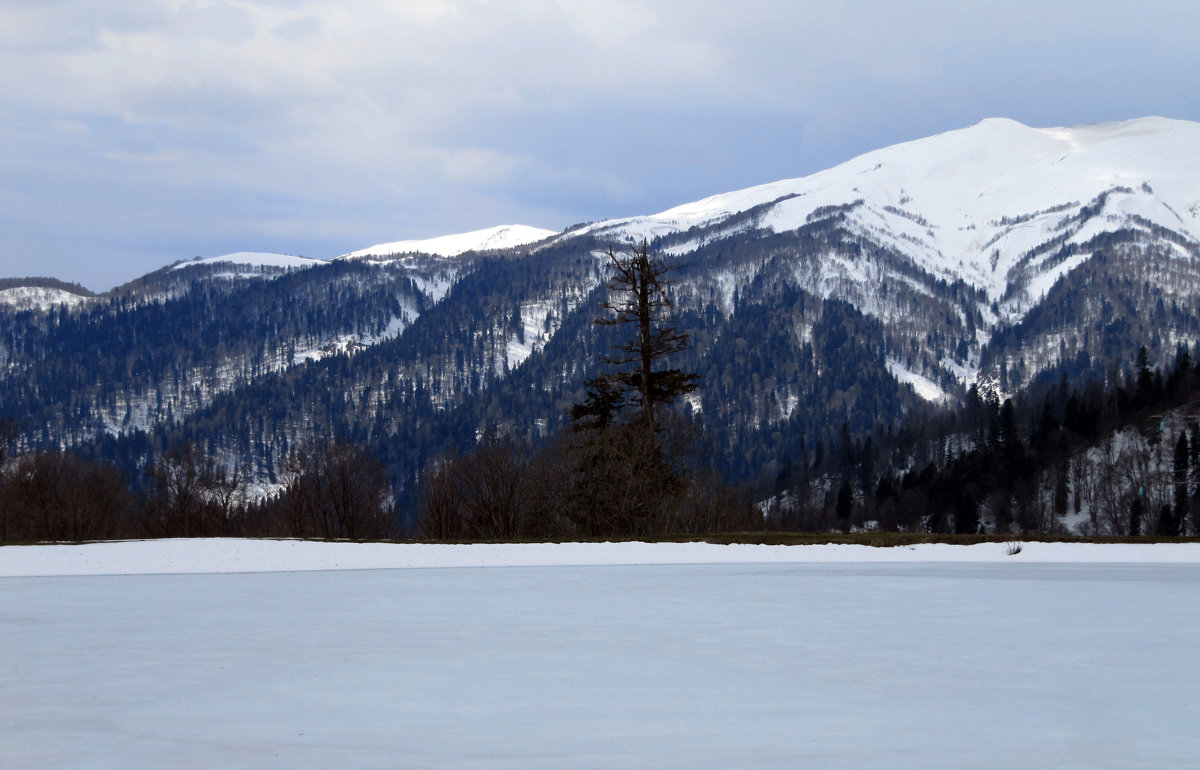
(337, 490)
(190, 494)
(55, 495)
(502, 490)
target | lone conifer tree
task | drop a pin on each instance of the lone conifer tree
(639, 297)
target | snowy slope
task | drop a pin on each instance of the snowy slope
(253, 259)
(500, 237)
(38, 298)
(971, 203)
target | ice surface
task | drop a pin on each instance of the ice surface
(689, 666)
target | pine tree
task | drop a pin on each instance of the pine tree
(630, 477)
(640, 298)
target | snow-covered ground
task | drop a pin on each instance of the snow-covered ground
(184, 556)
(499, 237)
(681, 655)
(254, 259)
(38, 298)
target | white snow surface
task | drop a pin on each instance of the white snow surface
(499, 237)
(221, 555)
(921, 385)
(39, 297)
(254, 259)
(953, 199)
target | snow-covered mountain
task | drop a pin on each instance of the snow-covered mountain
(976, 204)
(39, 297)
(999, 212)
(489, 239)
(996, 255)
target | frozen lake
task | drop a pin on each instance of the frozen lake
(710, 665)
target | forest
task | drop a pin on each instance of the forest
(649, 446)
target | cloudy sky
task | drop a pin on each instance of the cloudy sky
(137, 132)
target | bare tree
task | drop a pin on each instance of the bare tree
(442, 511)
(10, 431)
(337, 490)
(55, 495)
(190, 494)
(8, 437)
(499, 491)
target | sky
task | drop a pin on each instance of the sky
(134, 133)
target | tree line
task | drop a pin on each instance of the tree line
(331, 490)
(628, 465)
(1115, 459)
(631, 459)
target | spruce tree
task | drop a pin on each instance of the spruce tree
(640, 298)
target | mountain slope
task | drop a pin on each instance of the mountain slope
(999, 210)
(245, 261)
(823, 310)
(489, 239)
(955, 200)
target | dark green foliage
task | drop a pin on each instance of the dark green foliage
(843, 506)
(638, 298)
(1024, 446)
(601, 406)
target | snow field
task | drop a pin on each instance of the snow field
(216, 555)
(254, 259)
(499, 237)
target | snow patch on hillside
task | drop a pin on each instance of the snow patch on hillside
(921, 385)
(39, 298)
(537, 326)
(350, 344)
(500, 237)
(254, 260)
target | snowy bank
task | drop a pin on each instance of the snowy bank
(227, 555)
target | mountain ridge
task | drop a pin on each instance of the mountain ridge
(822, 307)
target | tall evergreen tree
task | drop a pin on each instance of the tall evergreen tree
(640, 298)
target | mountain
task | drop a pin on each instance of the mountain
(1001, 208)
(969, 204)
(825, 312)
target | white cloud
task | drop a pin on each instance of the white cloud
(473, 165)
(419, 105)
